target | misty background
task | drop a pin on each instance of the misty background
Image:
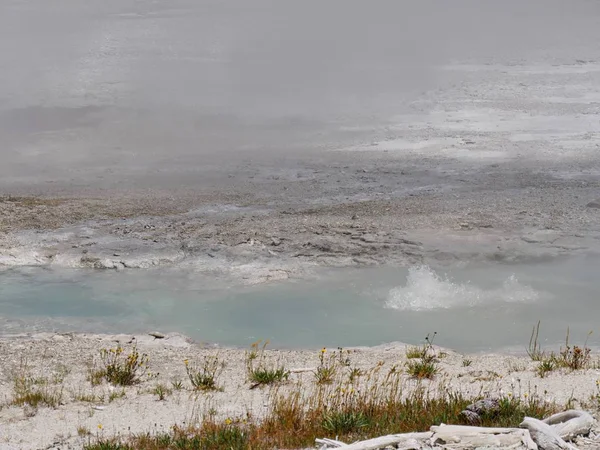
(106, 94)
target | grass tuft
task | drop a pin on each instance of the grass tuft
(34, 392)
(534, 350)
(259, 371)
(204, 377)
(575, 357)
(120, 369)
(546, 366)
(161, 391)
(425, 365)
(327, 368)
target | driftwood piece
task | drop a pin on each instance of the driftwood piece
(545, 436)
(549, 434)
(473, 437)
(572, 423)
(406, 441)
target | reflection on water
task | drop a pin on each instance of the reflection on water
(472, 309)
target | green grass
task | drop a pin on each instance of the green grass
(294, 420)
(161, 391)
(204, 377)
(422, 368)
(422, 361)
(574, 357)
(261, 372)
(35, 391)
(414, 352)
(546, 366)
(120, 369)
(264, 376)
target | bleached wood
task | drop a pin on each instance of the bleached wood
(534, 434)
(468, 437)
(404, 441)
(572, 423)
(545, 435)
(330, 443)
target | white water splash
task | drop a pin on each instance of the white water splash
(426, 290)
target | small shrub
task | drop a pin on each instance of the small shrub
(344, 422)
(327, 368)
(545, 366)
(413, 352)
(87, 397)
(114, 395)
(262, 373)
(83, 431)
(161, 391)
(574, 357)
(421, 351)
(205, 377)
(177, 384)
(95, 376)
(120, 369)
(426, 364)
(37, 397)
(354, 375)
(422, 369)
(34, 392)
(467, 362)
(263, 376)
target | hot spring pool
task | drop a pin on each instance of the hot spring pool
(490, 307)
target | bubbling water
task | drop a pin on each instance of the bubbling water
(427, 290)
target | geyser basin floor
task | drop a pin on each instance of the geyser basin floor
(489, 307)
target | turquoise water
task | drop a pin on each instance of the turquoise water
(472, 308)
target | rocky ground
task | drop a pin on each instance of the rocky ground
(500, 164)
(542, 218)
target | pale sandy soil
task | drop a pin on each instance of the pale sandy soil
(63, 360)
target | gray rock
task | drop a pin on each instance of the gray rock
(484, 407)
(594, 204)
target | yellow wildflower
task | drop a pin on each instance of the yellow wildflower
(100, 426)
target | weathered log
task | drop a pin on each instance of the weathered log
(468, 437)
(406, 441)
(545, 436)
(534, 434)
(329, 443)
(572, 423)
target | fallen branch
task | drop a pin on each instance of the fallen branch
(468, 437)
(406, 441)
(549, 434)
(545, 436)
(571, 423)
